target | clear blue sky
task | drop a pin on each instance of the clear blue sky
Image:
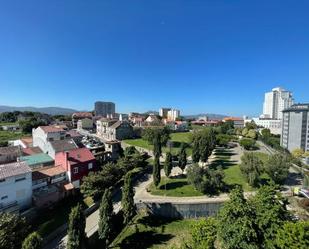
(199, 56)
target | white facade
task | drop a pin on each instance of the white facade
(275, 102)
(16, 188)
(84, 124)
(274, 125)
(173, 114)
(42, 138)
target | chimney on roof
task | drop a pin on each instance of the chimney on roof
(66, 159)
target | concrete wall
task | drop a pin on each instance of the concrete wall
(182, 210)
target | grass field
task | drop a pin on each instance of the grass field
(5, 136)
(177, 138)
(174, 187)
(153, 232)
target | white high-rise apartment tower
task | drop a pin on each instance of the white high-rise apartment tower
(275, 102)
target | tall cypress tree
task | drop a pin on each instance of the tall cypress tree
(127, 201)
(195, 150)
(33, 241)
(156, 171)
(168, 164)
(157, 150)
(76, 230)
(105, 222)
(182, 161)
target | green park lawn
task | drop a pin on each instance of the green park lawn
(177, 138)
(178, 187)
(153, 232)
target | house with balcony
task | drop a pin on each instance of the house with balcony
(15, 186)
(48, 185)
(114, 130)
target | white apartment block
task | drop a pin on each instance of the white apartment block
(295, 127)
(274, 125)
(15, 186)
(173, 114)
(275, 102)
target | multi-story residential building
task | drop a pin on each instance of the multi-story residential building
(48, 185)
(15, 186)
(295, 127)
(77, 163)
(274, 125)
(104, 109)
(275, 102)
(114, 130)
(173, 114)
(52, 140)
(80, 115)
(37, 160)
(163, 112)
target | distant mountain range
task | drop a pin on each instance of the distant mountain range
(209, 115)
(47, 110)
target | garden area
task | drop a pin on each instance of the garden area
(175, 138)
(153, 232)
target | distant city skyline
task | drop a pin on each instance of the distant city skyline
(197, 56)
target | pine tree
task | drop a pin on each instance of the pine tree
(127, 201)
(105, 222)
(182, 160)
(156, 171)
(76, 229)
(33, 241)
(168, 165)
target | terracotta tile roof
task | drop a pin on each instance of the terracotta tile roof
(13, 169)
(32, 151)
(80, 155)
(10, 150)
(27, 141)
(82, 115)
(232, 119)
(49, 172)
(47, 129)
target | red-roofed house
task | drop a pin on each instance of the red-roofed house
(77, 163)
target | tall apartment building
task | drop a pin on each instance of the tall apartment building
(275, 102)
(163, 112)
(104, 109)
(173, 114)
(295, 127)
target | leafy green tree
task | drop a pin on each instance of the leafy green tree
(266, 133)
(204, 234)
(251, 167)
(245, 132)
(105, 221)
(247, 143)
(252, 134)
(130, 151)
(251, 125)
(168, 164)
(13, 230)
(277, 167)
(293, 235)
(156, 172)
(270, 214)
(223, 139)
(33, 241)
(236, 227)
(76, 229)
(298, 153)
(127, 201)
(182, 158)
(195, 150)
(226, 126)
(205, 149)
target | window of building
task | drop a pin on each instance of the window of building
(75, 170)
(4, 197)
(2, 180)
(90, 166)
